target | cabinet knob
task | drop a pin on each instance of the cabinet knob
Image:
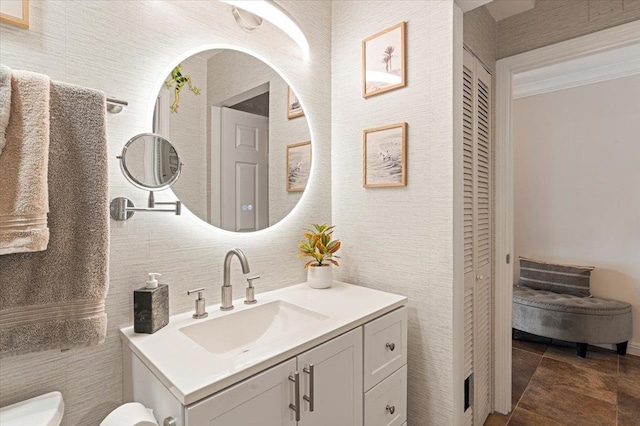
(391, 347)
(391, 409)
(169, 421)
(479, 277)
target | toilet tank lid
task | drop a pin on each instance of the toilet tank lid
(43, 410)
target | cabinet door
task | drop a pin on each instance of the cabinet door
(262, 400)
(337, 382)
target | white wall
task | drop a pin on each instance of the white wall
(401, 239)
(123, 48)
(577, 177)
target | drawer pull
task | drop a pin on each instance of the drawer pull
(391, 409)
(310, 399)
(391, 347)
(296, 407)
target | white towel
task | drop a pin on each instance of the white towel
(5, 102)
(24, 188)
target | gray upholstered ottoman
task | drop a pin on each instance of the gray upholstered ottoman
(574, 319)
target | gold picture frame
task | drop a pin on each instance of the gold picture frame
(384, 156)
(15, 12)
(380, 73)
(294, 109)
(298, 166)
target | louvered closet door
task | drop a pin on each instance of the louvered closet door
(477, 235)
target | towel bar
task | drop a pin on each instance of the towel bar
(114, 106)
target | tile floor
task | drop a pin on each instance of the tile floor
(552, 386)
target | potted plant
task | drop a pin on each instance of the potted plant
(318, 245)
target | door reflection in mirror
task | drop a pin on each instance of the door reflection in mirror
(233, 138)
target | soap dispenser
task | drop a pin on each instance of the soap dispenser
(151, 306)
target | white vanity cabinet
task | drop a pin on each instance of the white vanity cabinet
(346, 366)
(330, 378)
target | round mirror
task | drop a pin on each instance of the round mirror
(149, 161)
(242, 132)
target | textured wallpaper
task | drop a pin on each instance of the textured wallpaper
(553, 21)
(122, 48)
(401, 239)
(480, 36)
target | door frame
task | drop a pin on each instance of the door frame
(506, 69)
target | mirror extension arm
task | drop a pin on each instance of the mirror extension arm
(122, 208)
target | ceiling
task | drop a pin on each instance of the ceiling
(499, 9)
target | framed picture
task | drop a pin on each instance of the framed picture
(385, 156)
(15, 12)
(383, 61)
(293, 105)
(298, 166)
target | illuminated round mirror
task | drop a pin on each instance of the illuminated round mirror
(150, 162)
(242, 132)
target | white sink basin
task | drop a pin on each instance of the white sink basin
(241, 331)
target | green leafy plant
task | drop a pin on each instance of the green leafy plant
(319, 245)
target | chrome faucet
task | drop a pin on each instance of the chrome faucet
(227, 292)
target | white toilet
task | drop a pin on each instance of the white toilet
(47, 410)
(43, 410)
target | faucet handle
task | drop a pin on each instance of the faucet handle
(251, 279)
(200, 303)
(198, 290)
(251, 296)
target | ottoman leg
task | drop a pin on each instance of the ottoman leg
(581, 349)
(622, 348)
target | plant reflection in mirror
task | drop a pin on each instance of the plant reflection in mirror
(179, 80)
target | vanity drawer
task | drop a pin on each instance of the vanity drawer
(386, 403)
(385, 346)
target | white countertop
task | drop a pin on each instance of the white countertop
(191, 372)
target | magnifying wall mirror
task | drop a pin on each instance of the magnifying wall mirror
(149, 162)
(242, 134)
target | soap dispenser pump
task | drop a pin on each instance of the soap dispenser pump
(151, 306)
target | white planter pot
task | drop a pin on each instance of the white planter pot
(320, 276)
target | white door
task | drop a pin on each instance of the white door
(244, 171)
(335, 368)
(477, 236)
(262, 400)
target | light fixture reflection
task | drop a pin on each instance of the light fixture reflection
(383, 77)
(273, 13)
